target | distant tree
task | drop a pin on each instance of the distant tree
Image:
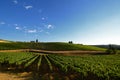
(111, 49)
(36, 40)
(70, 42)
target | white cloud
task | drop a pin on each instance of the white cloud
(2, 23)
(15, 2)
(32, 31)
(17, 28)
(28, 7)
(50, 26)
(43, 18)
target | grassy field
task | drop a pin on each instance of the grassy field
(84, 67)
(55, 46)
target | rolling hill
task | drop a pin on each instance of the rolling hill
(107, 46)
(51, 46)
(4, 41)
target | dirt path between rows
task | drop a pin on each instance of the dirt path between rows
(13, 76)
(18, 50)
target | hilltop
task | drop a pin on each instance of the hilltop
(50, 46)
(4, 41)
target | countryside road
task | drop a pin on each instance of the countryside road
(55, 52)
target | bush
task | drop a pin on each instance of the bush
(111, 50)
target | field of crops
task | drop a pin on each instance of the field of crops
(25, 61)
(96, 67)
(84, 67)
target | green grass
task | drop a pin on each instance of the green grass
(55, 46)
(13, 45)
(66, 46)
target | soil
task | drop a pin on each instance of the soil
(35, 76)
(14, 76)
(67, 53)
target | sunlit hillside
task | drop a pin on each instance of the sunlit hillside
(4, 41)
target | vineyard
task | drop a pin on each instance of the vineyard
(84, 67)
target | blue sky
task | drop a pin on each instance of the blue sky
(80, 21)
